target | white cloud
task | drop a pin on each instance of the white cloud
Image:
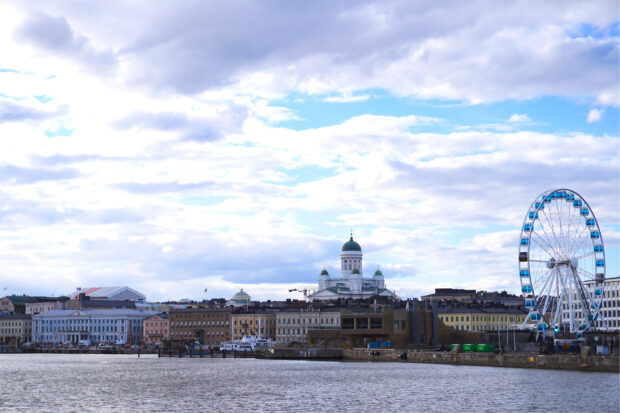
(347, 98)
(175, 178)
(519, 118)
(595, 115)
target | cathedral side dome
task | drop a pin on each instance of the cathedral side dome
(378, 273)
(241, 297)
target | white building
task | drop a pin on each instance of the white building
(609, 313)
(292, 325)
(101, 326)
(109, 293)
(610, 309)
(36, 308)
(351, 283)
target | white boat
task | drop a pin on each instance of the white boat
(247, 343)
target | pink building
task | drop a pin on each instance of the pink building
(155, 329)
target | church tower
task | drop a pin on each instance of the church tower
(351, 265)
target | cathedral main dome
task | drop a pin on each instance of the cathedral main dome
(351, 245)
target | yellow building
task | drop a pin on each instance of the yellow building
(482, 318)
(15, 329)
(258, 323)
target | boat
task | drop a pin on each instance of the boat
(247, 343)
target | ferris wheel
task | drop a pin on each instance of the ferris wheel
(562, 263)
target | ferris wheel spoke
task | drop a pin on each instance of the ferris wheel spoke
(538, 277)
(582, 246)
(541, 243)
(555, 236)
(587, 273)
(571, 213)
(549, 232)
(579, 230)
(579, 240)
(579, 257)
(562, 240)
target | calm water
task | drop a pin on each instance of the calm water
(119, 383)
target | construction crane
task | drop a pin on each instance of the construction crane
(305, 291)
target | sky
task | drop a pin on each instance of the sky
(211, 145)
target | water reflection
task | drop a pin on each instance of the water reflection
(119, 383)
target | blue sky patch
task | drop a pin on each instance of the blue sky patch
(548, 114)
(43, 98)
(63, 132)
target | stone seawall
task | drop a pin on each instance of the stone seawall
(610, 364)
(295, 353)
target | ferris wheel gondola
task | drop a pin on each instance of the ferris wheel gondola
(562, 263)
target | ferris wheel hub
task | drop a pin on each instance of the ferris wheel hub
(574, 263)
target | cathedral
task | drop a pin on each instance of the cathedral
(351, 283)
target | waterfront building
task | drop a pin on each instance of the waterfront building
(156, 328)
(98, 326)
(15, 329)
(292, 324)
(259, 323)
(109, 293)
(17, 303)
(209, 325)
(482, 318)
(351, 283)
(363, 327)
(474, 297)
(41, 307)
(457, 294)
(609, 313)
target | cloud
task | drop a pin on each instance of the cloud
(53, 35)
(179, 173)
(190, 127)
(14, 112)
(347, 98)
(517, 118)
(27, 175)
(473, 52)
(595, 115)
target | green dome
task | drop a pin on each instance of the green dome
(355, 271)
(351, 245)
(378, 273)
(241, 296)
(324, 272)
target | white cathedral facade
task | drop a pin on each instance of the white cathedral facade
(351, 283)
